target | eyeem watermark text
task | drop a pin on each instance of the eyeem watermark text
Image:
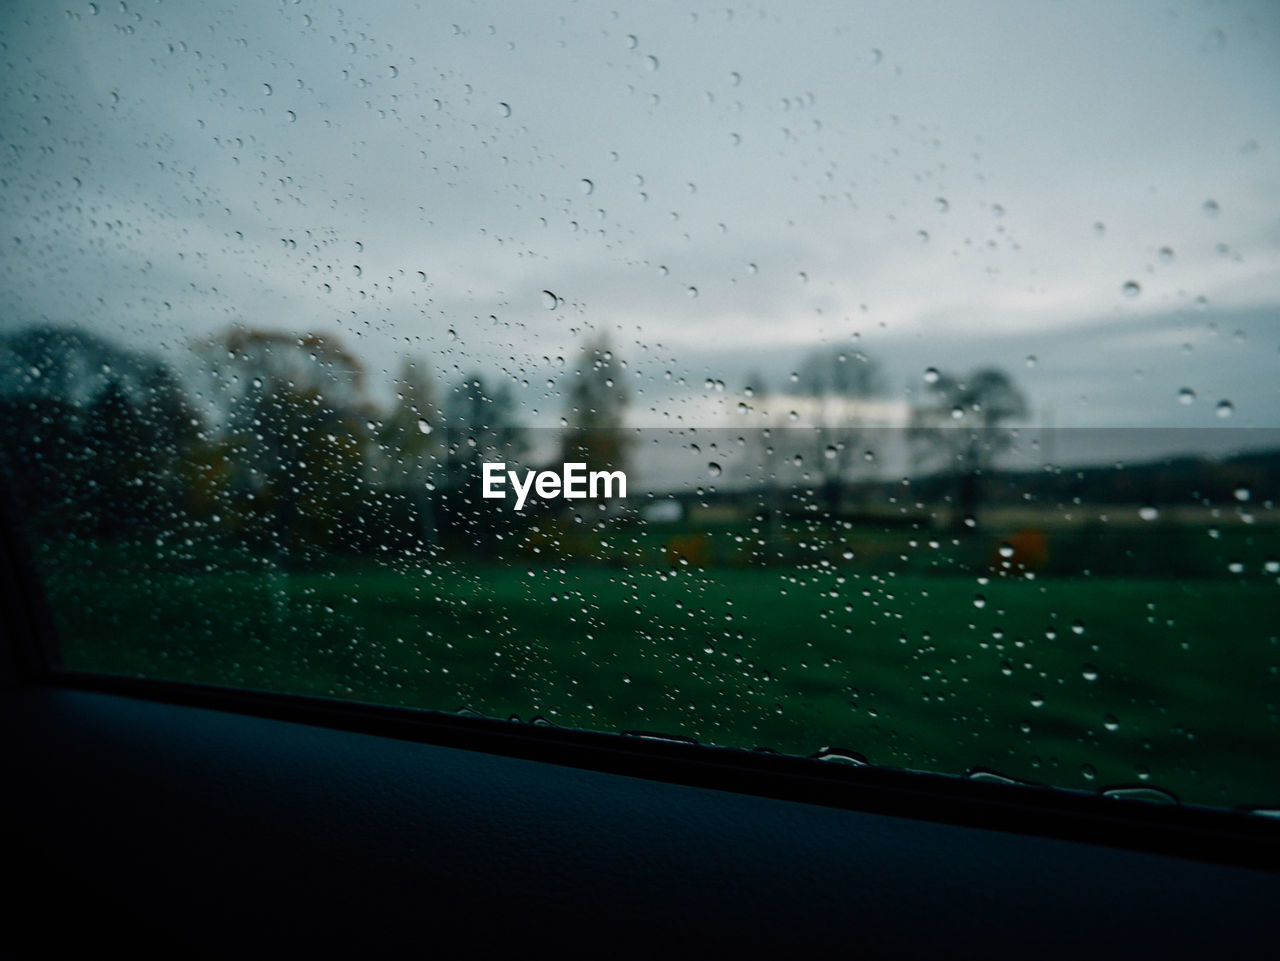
(574, 482)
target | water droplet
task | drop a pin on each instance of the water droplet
(1148, 513)
(1037, 700)
(1110, 722)
(1131, 288)
(691, 292)
(1077, 627)
(1099, 228)
(931, 375)
(841, 756)
(1225, 408)
(425, 427)
(1151, 795)
(1211, 208)
(942, 205)
(979, 601)
(1088, 771)
(922, 236)
(266, 89)
(830, 452)
(1186, 396)
(651, 62)
(1242, 494)
(586, 186)
(1032, 360)
(1089, 673)
(504, 110)
(549, 300)
(1166, 255)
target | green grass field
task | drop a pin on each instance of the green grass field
(1080, 683)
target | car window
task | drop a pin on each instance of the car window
(889, 383)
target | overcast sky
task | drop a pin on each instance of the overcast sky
(1086, 194)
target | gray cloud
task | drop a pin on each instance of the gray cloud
(920, 181)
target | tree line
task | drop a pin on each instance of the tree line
(277, 443)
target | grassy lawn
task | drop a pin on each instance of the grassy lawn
(1077, 682)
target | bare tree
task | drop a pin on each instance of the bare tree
(959, 422)
(838, 383)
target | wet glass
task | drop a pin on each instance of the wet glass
(936, 347)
